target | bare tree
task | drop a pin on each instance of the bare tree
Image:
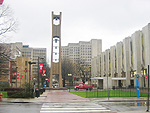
(7, 22)
(84, 70)
(7, 25)
(67, 68)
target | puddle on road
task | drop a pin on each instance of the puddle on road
(127, 104)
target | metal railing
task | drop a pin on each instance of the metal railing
(116, 92)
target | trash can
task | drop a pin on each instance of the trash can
(37, 93)
(113, 87)
(43, 89)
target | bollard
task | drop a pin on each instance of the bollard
(1, 96)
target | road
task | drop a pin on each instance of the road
(124, 106)
(72, 107)
(20, 107)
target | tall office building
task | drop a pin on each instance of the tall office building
(82, 52)
(33, 54)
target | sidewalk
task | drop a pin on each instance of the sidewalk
(119, 99)
(64, 96)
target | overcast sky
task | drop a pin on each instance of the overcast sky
(82, 20)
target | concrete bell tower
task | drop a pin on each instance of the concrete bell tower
(56, 49)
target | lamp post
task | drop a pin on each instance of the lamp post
(107, 86)
(30, 73)
(38, 69)
(34, 79)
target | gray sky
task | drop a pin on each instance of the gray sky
(82, 20)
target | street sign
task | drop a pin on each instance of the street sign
(1, 2)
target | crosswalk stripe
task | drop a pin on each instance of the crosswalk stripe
(71, 108)
(74, 111)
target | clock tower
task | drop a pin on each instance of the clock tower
(55, 73)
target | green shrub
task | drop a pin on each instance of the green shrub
(21, 95)
(3, 86)
(20, 92)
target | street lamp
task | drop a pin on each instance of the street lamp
(16, 76)
(30, 63)
(34, 79)
(38, 69)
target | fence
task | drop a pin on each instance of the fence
(116, 92)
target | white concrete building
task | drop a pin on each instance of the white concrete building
(82, 52)
(121, 62)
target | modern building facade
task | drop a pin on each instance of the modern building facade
(119, 65)
(82, 52)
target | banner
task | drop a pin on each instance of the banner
(41, 67)
(21, 76)
(146, 76)
(1, 2)
(13, 74)
(17, 76)
(44, 70)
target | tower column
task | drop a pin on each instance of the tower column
(56, 49)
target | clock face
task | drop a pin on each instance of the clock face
(56, 20)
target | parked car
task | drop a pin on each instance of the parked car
(84, 86)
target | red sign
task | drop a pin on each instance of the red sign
(17, 76)
(41, 67)
(146, 77)
(13, 74)
(44, 70)
(1, 2)
(21, 76)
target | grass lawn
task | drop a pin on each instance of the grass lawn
(4, 94)
(112, 93)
